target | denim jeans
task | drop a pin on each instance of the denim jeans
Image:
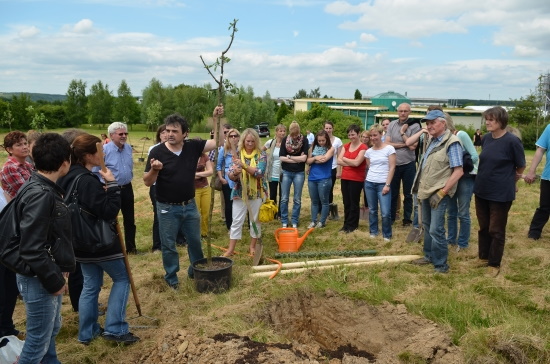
(174, 219)
(493, 218)
(319, 192)
(459, 206)
(415, 211)
(436, 249)
(542, 213)
(115, 319)
(405, 173)
(373, 191)
(43, 322)
(296, 179)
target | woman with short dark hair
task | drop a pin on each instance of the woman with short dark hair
(501, 163)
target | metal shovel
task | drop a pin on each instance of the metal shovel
(416, 232)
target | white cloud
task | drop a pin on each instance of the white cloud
(367, 38)
(83, 26)
(29, 32)
(522, 25)
(295, 33)
(351, 44)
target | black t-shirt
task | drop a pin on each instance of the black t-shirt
(176, 180)
(498, 161)
(293, 167)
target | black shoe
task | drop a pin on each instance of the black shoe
(128, 338)
(174, 286)
(87, 342)
(407, 223)
(533, 236)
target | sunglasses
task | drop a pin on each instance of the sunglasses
(234, 136)
(122, 134)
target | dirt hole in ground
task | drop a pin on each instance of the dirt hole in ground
(320, 329)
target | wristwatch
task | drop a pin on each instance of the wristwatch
(387, 185)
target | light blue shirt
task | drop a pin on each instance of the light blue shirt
(120, 162)
(544, 142)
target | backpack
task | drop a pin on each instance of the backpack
(9, 222)
(91, 234)
(467, 163)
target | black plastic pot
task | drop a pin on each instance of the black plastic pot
(215, 279)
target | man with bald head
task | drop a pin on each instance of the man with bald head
(405, 168)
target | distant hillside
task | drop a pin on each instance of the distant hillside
(34, 96)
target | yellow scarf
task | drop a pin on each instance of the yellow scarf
(251, 189)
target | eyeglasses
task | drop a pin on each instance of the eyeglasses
(122, 134)
(234, 136)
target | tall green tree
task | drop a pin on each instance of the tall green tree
(282, 111)
(126, 107)
(301, 94)
(357, 95)
(7, 117)
(156, 92)
(100, 104)
(19, 105)
(193, 102)
(76, 104)
(525, 111)
(38, 119)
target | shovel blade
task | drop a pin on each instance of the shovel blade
(414, 235)
(258, 253)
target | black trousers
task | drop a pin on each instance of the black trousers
(75, 283)
(8, 298)
(351, 194)
(492, 217)
(274, 191)
(228, 205)
(333, 178)
(127, 209)
(156, 235)
(542, 213)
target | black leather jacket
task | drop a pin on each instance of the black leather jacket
(45, 249)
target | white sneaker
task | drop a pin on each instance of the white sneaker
(319, 225)
(372, 236)
(294, 226)
(284, 225)
(311, 225)
(386, 240)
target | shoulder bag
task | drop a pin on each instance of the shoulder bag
(91, 234)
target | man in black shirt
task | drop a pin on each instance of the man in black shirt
(172, 166)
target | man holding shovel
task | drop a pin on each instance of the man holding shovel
(172, 166)
(436, 179)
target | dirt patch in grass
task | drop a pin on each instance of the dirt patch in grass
(320, 329)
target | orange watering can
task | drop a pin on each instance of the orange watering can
(288, 239)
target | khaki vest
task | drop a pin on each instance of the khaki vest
(436, 171)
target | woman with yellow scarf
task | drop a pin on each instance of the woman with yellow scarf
(250, 190)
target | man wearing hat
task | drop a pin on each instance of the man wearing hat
(435, 182)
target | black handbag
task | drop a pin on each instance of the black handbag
(91, 234)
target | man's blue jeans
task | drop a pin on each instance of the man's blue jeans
(115, 320)
(373, 191)
(319, 192)
(405, 173)
(296, 179)
(43, 321)
(459, 206)
(185, 219)
(436, 249)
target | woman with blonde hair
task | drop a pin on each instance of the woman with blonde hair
(225, 158)
(247, 171)
(293, 154)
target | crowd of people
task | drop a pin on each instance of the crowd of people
(430, 163)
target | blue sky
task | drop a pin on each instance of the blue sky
(425, 48)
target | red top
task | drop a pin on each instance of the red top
(354, 173)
